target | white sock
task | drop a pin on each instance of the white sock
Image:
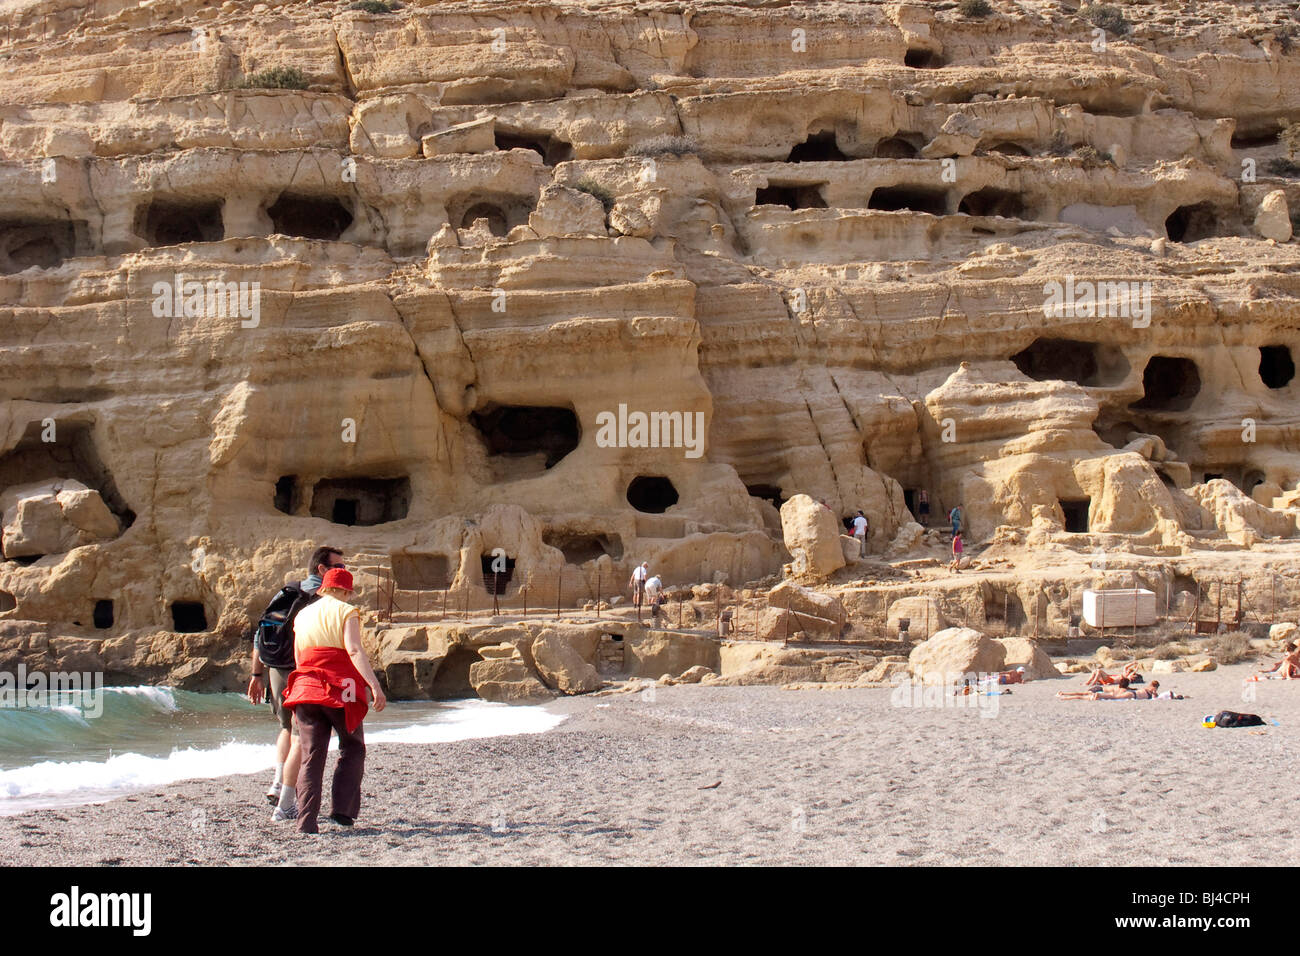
(287, 797)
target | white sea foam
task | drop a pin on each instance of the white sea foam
(51, 783)
(471, 719)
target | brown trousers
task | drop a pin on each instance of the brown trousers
(314, 725)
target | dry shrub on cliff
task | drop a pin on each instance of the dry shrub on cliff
(974, 9)
(276, 78)
(666, 146)
(1109, 18)
(1092, 158)
(1231, 648)
(593, 188)
(375, 6)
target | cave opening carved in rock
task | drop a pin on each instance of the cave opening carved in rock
(498, 570)
(309, 217)
(170, 222)
(579, 547)
(1075, 511)
(553, 151)
(7, 602)
(502, 212)
(898, 147)
(767, 492)
(991, 201)
(1070, 360)
(288, 496)
(361, 501)
(793, 196)
(72, 454)
(189, 617)
(913, 198)
(1276, 366)
(526, 438)
(651, 494)
(1169, 384)
(818, 148)
(40, 243)
(414, 571)
(1195, 222)
(102, 616)
(919, 58)
(1009, 149)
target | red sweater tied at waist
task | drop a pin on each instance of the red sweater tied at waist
(327, 676)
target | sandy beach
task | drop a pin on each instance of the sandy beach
(802, 777)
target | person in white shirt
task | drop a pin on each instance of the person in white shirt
(860, 532)
(637, 584)
(653, 589)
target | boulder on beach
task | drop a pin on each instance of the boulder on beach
(561, 664)
(1022, 652)
(952, 653)
(813, 530)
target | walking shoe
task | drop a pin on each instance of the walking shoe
(340, 819)
(273, 794)
(280, 815)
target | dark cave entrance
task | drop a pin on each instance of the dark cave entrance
(793, 196)
(309, 217)
(522, 431)
(993, 202)
(1070, 360)
(651, 494)
(1193, 223)
(361, 501)
(1076, 512)
(912, 198)
(553, 151)
(1276, 366)
(1168, 384)
(169, 222)
(818, 148)
(580, 547)
(189, 617)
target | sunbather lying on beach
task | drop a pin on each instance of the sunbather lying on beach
(1288, 668)
(1130, 672)
(1122, 692)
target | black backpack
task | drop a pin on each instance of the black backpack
(1230, 718)
(274, 637)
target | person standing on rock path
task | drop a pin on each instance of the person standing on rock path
(860, 529)
(637, 583)
(273, 660)
(955, 517)
(956, 552)
(327, 691)
(923, 508)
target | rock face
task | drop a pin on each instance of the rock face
(812, 536)
(507, 680)
(953, 653)
(923, 614)
(1273, 221)
(53, 517)
(610, 282)
(565, 663)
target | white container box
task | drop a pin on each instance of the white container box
(1119, 607)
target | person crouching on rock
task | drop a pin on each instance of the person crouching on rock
(327, 690)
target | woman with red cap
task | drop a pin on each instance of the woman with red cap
(327, 691)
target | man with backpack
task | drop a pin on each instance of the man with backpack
(273, 661)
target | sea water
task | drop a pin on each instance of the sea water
(57, 755)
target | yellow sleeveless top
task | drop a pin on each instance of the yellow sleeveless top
(321, 623)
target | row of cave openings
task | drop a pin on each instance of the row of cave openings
(1169, 383)
(519, 440)
(45, 243)
(433, 572)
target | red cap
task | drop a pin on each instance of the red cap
(337, 578)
